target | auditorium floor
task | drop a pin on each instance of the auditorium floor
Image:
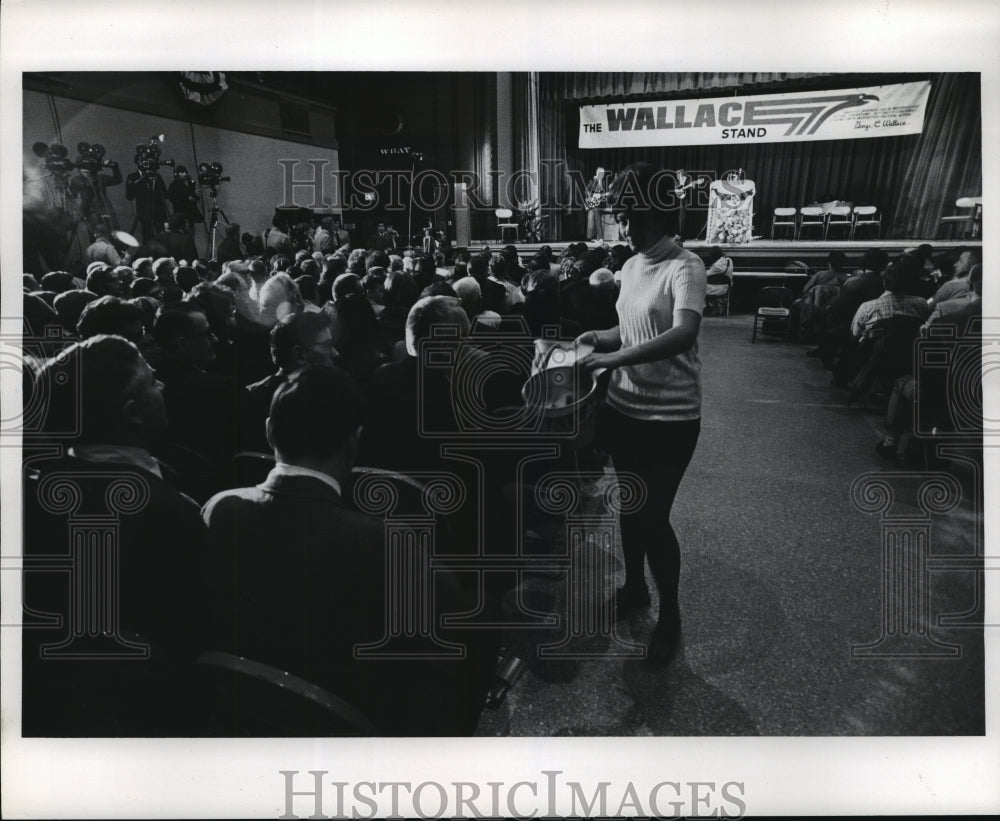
(782, 576)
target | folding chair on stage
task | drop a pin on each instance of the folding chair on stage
(864, 216)
(784, 218)
(813, 216)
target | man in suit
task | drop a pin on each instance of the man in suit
(111, 663)
(392, 437)
(298, 340)
(307, 575)
(200, 405)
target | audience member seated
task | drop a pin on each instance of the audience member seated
(399, 295)
(930, 278)
(863, 285)
(111, 315)
(391, 437)
(186, 277)
(308, 613)
(719, 278)
(820, 289)
(900, 279)
(219, 306)
(69, 305)
(513, 271)
(356, 336)
(200, 405)
(601, 313)
(39, 315)
(278, 298)
(471, 297)
(143, 268)
(494, 293)
(374, 287)
(231, 248)
(147, 287)
(333, 267)
(163, 271)
(931, 386)
(959, 305)
(113, 402)
(176, 240)
(105, 281)
(542, 306)
(59, 281)
(959, 284)
(424, 271)
(249, 337)
(512, 291)
(898, 299)
(298, 340)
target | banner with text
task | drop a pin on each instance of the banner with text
(877, 111)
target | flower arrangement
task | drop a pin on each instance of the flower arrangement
(732, 227)
(532, 221)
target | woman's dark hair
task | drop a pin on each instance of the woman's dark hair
(641, 186)
(400, 291)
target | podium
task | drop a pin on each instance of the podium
(730, 212)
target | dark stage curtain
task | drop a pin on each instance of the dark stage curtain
(947, 163)
(912, 179)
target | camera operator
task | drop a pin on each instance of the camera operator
(184, 197)
(147, 189)
(90, 186)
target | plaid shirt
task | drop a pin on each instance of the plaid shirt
(889, 304)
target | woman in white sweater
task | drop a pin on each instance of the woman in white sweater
(654, 396)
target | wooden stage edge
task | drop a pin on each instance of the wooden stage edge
(793, 249)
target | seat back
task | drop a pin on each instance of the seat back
(840, 211)
(251, 468)
(248, 698)
(814, 212)
(965, 202)
(864, 210)
(785, 212)
(503, 213)
(774, 296)
(886, 355)
(367, 489)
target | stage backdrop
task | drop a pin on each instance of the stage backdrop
(912, 178)
(848, 114)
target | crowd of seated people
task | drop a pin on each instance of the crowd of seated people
(168, 368)
(867, 324)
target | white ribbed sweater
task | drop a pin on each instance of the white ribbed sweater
(655, 285)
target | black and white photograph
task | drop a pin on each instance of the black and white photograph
(417, 420)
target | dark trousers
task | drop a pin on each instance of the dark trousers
(658, 453)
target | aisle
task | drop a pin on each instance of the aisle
(781, 575)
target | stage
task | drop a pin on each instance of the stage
(767, 254)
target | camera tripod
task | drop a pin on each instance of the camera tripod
(213, 220)
(69, 247)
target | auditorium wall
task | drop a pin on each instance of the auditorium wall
(251, 159)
